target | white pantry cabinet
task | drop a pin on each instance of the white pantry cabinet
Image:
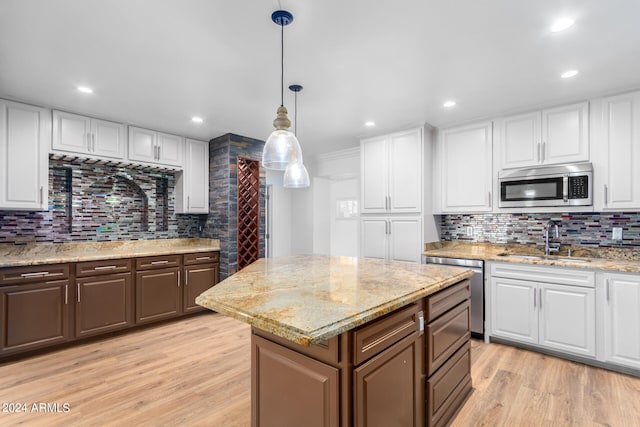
(622, 319)
(86, 136)
(550, 307)
(551, 136)
(192, 184)
(154, 147)
(391, 170)
(392, 238)
(25, 137)
(617, 163)
(465, 155)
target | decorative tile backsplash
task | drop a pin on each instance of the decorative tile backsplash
(92, 202)
(576, 229)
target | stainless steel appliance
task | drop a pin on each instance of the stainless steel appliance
(560, 185)
(477, 289)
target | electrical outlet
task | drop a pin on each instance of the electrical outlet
(616, 233)
(469, 231)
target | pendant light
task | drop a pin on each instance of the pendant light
(295, 175)
(282, 146)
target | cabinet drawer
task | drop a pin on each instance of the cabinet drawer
(448, 387)
(163, 261)
(446, 334)
(559, 275)
(36, 273)
(201, 258)
(372, 339)
(94, 268)
(443, 301)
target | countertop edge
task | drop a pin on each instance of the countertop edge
(344, 325)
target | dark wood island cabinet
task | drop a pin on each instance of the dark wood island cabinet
(400, 357)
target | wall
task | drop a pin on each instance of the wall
(345, 235)
(280, 221)
(222, 222)
(576, 229)
(94, 202)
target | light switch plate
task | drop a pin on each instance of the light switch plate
(616, 233)
(469, 231)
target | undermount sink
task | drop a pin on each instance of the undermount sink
(550, 258)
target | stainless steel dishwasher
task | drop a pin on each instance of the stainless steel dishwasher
(477, 289)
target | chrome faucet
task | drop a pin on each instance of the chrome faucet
(547, 249)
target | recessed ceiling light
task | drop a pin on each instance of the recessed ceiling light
(369, 123)
(85, 89)
(562, 24)
(449, 104)
(197, 119)
(569, 73)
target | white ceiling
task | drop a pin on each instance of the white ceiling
(158, 63)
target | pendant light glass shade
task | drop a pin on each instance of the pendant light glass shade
(281, 148)
(296, 176)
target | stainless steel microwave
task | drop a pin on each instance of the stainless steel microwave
(561, 185)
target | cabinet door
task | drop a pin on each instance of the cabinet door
(622, 319)
(170, 148)
(103, 304)
(374, 173)
(71, 133)
(197, 279)
(374, 233)
(405, 239)
(405, 172)
(514, 313)
(567, 318)
(34, 315)
(387, 388)
(25, 135)
(520, 140)
(158, 294)
(192, 184)
(142, 145)
(565, 134)
(621, 136)
(108, 139)
(467, 168)
(291, 390)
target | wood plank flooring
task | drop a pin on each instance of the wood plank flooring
(196, 372)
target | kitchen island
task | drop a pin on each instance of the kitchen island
(346, 341)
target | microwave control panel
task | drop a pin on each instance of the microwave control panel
(578, 187)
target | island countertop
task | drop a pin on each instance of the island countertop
(310, 298)
(54, 253)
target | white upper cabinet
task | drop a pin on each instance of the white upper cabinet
(25, 137)
(465, 154)
(392, 173)
(86, 136)
(154, 147)
(617, 163)
(551, 136)
(192, 184)
(392, 238)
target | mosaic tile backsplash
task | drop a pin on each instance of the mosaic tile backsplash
(575, 229)
(91, 202)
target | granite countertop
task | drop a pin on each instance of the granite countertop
(310, 298)
(611, 259)
(54, 253)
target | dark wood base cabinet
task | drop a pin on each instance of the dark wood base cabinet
(51, 304)
(377, 375)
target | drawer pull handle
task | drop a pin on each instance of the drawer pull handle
(159, 262)
(420, 323)
(106, 267)
(37, 274)
(201, 258)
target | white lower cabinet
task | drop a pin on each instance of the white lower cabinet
(622, 319)
(391, 238)
(549, 307)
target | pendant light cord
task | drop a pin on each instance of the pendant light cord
(282, 64)
(295, 114)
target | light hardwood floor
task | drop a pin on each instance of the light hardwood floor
(196, 372)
